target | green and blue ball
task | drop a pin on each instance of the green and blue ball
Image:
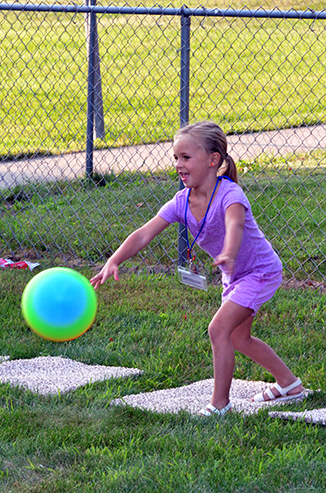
(59, 304)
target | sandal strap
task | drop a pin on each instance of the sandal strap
(225, 409)
(205, 412)
(210, 409)
(285, 390)
(219, 412)
(270, 393)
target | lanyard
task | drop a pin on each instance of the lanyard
(189, 250)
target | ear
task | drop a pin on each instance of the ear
(215, 159)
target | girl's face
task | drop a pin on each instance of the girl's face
(191, 162)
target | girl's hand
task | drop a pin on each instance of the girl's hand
(135, 242)
(227, 261)
(110, 269)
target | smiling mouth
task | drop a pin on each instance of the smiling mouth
(183, 176)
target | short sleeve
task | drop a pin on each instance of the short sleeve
(173, 211)
(168, 211)
(235, 195)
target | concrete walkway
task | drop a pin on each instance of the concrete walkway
(158, 156)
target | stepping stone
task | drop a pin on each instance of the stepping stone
(54, 374)
(316, 416)
(197, 395)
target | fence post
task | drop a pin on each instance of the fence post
(90, 95)
(184, 116)
(98, 98)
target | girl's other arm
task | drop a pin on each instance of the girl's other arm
(234, 224)
(135, 242)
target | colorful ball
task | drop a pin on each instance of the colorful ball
(59, 304)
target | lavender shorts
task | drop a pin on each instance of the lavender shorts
(252, 290)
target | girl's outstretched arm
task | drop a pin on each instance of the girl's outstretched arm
(135, 242)
(234, 224)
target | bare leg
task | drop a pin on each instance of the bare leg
(230, 330)
(225, 321)
(264, 355)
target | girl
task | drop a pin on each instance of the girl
(219, 217)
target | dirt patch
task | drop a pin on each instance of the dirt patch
(307, 284)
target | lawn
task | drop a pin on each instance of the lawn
(246, 74)
(78, 442)
(79, 220)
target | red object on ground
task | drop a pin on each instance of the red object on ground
(4, 263)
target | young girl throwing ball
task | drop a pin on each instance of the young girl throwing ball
(217, 213)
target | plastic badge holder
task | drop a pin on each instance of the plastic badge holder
(192, 279)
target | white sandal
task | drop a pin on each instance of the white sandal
(210, 410)
(281, 390)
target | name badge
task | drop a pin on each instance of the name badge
(191, 279)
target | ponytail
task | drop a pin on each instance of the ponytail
(228, 168)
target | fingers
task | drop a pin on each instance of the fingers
(227, 263)
(105, 273)
(95, 281)
(220, 259)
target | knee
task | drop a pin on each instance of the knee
(217, 332)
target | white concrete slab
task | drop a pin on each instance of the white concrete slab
(54, 374)
(197, 395)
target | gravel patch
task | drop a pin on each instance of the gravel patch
(54, 374)
(316, 416)
(193, 397)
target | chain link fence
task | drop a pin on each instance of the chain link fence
(92, 96)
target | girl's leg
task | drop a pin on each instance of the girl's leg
(230, 330)
(264, 355)
(225, 321)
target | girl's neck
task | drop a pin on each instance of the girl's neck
(199, 199)
(204, 192)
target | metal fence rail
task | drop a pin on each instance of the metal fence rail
(92, 96)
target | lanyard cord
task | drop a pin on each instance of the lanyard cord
(189, 250)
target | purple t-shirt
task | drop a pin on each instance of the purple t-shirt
(255, 255)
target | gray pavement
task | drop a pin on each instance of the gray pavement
(158, 156)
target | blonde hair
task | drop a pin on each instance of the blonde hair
(211, 138)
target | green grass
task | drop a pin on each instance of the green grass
(88, 222)
(246, 74)
(78, 442)
(288, 203)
